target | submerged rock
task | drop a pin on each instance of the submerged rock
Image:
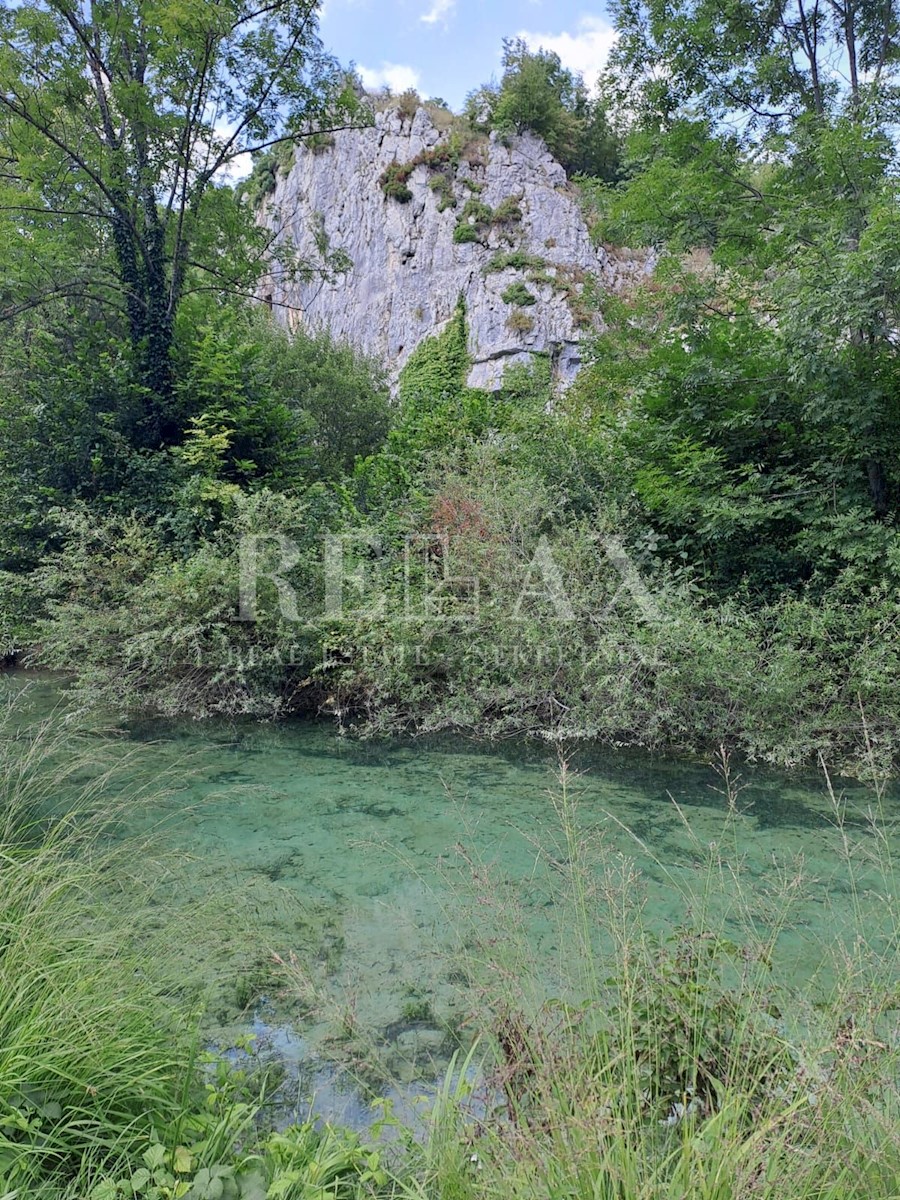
(421, 216)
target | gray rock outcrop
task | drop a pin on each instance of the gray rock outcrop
(525, 266)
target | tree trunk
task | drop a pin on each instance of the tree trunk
(878, 487)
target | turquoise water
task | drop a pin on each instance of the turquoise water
(386, 876)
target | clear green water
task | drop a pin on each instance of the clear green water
(380, 866)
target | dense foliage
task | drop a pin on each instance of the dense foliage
(761, 371)
(118, 125)
(539, 94)
(697, 544)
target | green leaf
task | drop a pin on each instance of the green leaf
(154, 1156)
(183, 1162)
(105, 1190)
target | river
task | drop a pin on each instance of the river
(301, 882)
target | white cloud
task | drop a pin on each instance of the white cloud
(585, 51)
(396, 76)
(440, 10)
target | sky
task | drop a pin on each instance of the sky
(445, 48)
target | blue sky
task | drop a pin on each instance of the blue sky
(447, 47)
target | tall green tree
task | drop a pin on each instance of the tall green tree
(539, 94)
(119, 122)
(761, 384)
(762, 63)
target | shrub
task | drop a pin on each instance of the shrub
(465, 234)
(520, 322)
(408, 103)
(267, 166)
(518, 294)
(515, 260)
(294, 407)
(443, 158)
(17, 615)
(477, 211)
(237, 427)
(476, 217)
(339, 399)
(394, 182)
(441, 116)
(578, 288)
(443, 185)
(508, 212)
(155, 631)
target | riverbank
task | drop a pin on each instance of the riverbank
(497, 564)
(786, 684)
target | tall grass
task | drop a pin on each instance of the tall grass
(92, 1061)
(677, 1065)
(104, 1091)
(650, 1065)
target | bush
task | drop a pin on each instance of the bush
(394, 182)
(467, 234)
(17, 616)
(443, 185)
(516, 260)
(518, 294)
(224, 388)
(477, 211)
(408, 103)
(339, 398)
(680, 674)
(262, 180)
(294, 407)
(474, 221)
(319, 143)
(508, 211)
(520, 322)
(268, 165)
(152, 631)
(442, 158)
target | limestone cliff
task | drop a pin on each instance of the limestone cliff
(421, 218)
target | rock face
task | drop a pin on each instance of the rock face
(523, 265)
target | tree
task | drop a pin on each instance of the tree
(539, 94)
(119, 121)
(762, 406)
(761, 62)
